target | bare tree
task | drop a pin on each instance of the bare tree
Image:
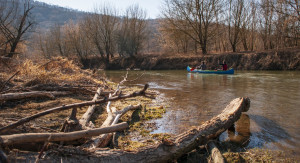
(235, 21)
(59, 40)
(288, 22)
(253, 23)
(198, 15)
(77, 40)
(53, 42)
(15, 22)
(45, 44)
(245, 32)
(92, 30)
(173, 38)
(102, 26)
(292, 8)
(133, 32)
(266, 23)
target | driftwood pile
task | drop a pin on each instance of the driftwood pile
(94, 139)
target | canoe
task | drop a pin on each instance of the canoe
(230, 71)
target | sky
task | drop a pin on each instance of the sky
(152, 7)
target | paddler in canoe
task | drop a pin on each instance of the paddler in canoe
(224, 66)
(203, 69)
(202, 66)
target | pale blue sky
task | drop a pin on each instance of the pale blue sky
(152, 7)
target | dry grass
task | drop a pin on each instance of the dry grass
(258, 155)
(56, 71)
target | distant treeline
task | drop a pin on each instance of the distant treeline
(185, 27)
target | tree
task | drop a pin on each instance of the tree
(77, 41)
(15, 22)
(197, 15)
(92, 30)
(235, 21)
(133, 31)
(101, 27)
(253, 23)
(288, 22)
(173, 38)
(266, 23)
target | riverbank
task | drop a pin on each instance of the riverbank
(62, 74)
(287, 59)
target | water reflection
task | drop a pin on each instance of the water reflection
(262, 132)
(240, 132)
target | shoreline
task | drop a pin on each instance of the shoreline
(287, 59)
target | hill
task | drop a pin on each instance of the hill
(47, 15)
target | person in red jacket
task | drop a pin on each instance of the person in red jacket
(224, 66)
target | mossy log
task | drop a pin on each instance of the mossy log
(168, 149)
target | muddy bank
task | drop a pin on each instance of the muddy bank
(288, 59)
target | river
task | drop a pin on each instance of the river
(273, 121)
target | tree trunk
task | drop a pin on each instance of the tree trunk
(84, 120)
(74, 89)
(203, 48)
(233, 47)
(17, 96)
(169, 149)
(70, 136)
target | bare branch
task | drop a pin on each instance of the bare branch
(66, 107)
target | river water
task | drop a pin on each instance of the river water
(273, 121)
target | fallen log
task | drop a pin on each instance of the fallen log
(69, 88)
(215, 153)
(187, 141)
(85, 118)
(17, 96)
(103, 140)
(177, 146)
(70, 136)
(70, 106)
(112, 118)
